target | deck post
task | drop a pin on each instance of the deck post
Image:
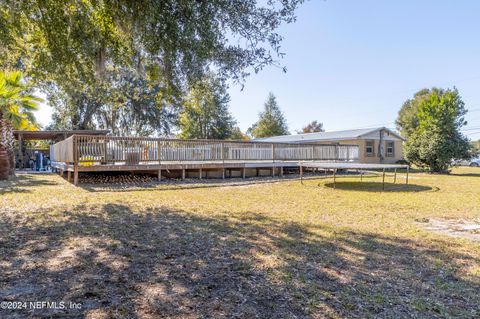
(200, 173)
(383, 180)
(335, 178)
(75, 176)
(104, 151)
(75, 160)
(281, 171)
(273, 171)
(223, 153)
(159, 152)
(408, 168)
(183, 173)
(395, 176)
(69, 176)
(160, 175)
(301, 173)
(243, 172)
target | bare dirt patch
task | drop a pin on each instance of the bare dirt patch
(461, 228)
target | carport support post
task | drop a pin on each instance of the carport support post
(383, 180)
(20, 149)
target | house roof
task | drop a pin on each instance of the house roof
(55, 135)
(327, 136)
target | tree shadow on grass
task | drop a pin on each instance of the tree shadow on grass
(377, 187)
(190, 183)
(466, 174)
(159, 263)
(21, 182)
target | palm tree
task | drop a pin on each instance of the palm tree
(17, 105)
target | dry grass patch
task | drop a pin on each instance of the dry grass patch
(270, 250)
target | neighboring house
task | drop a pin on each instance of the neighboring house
(376, 145)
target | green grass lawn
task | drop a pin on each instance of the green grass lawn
(246, 250)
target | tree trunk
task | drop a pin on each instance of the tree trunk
(4, 164)
(11, 162)
(6, 145)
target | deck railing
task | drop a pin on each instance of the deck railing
(110, 150)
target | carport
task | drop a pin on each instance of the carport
(48, 135)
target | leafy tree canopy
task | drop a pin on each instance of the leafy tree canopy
(237, 134)
(312, 127)
(179, 40)
(407, 120)
(91, 57)
(126, 104)
(271, 121)
(17, 102)
(433, 133)
(476, 145)
(205, 114)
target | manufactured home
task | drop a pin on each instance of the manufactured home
(376, 145)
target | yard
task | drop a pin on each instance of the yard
(243, 249)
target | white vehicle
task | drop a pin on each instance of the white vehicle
(474, 162)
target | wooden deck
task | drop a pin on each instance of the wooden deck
(105, 153)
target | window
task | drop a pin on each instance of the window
(390, 148)
(369, 148)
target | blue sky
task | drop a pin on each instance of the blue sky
(351, 63)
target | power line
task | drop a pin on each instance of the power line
(471, 128)
(473, 133)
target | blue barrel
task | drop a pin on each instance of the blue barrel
(39, 161)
